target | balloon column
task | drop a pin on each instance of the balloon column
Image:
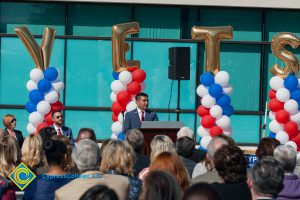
(284, 95)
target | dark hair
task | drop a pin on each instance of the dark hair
(99, 192)
(201, 191)
(135, 138)
(231, 164)
(160, 185)
(266, 147)
(90, 131)
(185, 146)
(141, 94)
(46, 133)
(55, 152)
(55, 111)
(267, 176)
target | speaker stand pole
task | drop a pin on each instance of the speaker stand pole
(178, 101)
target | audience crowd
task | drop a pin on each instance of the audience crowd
(68, 168)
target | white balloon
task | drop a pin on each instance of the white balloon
(223, 122)
(31, 85)
(216, 111)
(117, 86)
(131, 106)
(276, 83)
(227, 132)
(202, 90)
(222, 78)
(121, 117)
(292, 144)
(283, 94)
(271, 115)
(51, 96)
(113, 97)
(31, 129)
(291, 106)
(202, 131)
(58, 74)
(116, 128)
(143, 86)
(282, 137)
(205, 141)
(114, 136)
(298, 156)
(125, 77)
(296, 117)
(58, 85)
(36, 74)
(35, 118)
(275, 127)
(43, 107)
(208, 101)
(228, 89)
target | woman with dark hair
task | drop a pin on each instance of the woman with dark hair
(201, 191)
(99, 192)
(10, 123)
(160, 185)
(44, 186)
(266, 147)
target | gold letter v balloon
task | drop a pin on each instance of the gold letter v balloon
(285, 92)
(214, 91)
(44, 84)
(128, 78)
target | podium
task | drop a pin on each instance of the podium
(152, 128)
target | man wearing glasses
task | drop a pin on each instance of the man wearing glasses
(58, 125)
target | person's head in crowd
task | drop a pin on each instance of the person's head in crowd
(99, 192)
(68, 161)
(56, 152)
(135, 138)
(86, 133)
(185, 132)
(142, 101)
(266, 147)
(9, 121)
(58, 118)
(231, 164)
(118, 156)
(160, 185)
(227, 138)
(161, 143)
(32, 151)
(215, 144)
(287, 157)
(47, 133)
(1, 132)
(185, 146)
(9, 155)
(265, 178)
(86, 155)
(171, 162)
(201, 191)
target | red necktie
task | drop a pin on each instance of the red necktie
(143, 116)
(59, 132)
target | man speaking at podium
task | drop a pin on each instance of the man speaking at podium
(134, 118)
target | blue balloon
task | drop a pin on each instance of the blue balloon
(121, 136)
(228, 110)
(35, 96)
(224, 100)
(215, 90)
(291, 82)
(51, 73)
(115, 75)
(30, 107)
(296, 95)
(207, 79)
(201, 148)
(272, 135)
(44, 85)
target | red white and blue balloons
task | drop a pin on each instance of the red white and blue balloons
(215, 109)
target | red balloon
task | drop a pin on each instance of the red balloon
(48, 117)
(275, 105)
(208, 121)
(114, 118)
(202, 111)
(57, 106)
(42, 125)
(282, 116)
(297, 140)
(272, 94)
(134, 87)
(117, 108)
(291, 128)
(138, 75)
(214, 131)
(123, 98)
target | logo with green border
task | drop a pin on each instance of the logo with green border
(22, 176)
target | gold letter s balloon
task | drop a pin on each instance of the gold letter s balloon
(40, 54)
(212, 37)
(278, 48)
(119, 46)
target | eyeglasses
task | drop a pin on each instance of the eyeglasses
(13, 121)
(59, 117)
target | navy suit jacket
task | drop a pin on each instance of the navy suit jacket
(132, 119)
(66, 131)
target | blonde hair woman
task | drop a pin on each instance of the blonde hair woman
(119, 158)
(10, 123)
(32, 152)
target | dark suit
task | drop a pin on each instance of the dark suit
(132, 119)
(19, 136)
(66, 131)
(142, 162)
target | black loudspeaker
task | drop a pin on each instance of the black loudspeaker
(179, 63)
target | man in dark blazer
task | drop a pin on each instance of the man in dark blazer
(134, 118)
(59, 127)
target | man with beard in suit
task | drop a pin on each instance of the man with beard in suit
(59, 127)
